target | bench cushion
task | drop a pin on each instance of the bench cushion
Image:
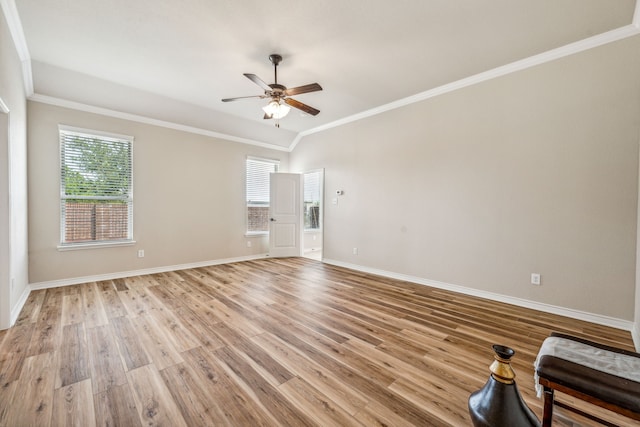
(601, 384)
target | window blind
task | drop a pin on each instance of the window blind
(258, 171)
(96, 188)
(312, 195)
(312, 187)
(257, 193)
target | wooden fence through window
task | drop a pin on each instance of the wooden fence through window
(96, 221)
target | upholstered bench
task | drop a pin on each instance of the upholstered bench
(602, 375)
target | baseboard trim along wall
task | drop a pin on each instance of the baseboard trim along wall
(15, 311)
(547, 308)
(121, 275)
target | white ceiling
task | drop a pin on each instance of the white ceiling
(174, 60)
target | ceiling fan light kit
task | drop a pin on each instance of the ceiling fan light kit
(280, 103)
(276, 110)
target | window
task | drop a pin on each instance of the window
(257, 191)
(96, 189)
(312, 197)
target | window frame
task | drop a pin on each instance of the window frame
(276, 163)
(320, 181)
(129, 199)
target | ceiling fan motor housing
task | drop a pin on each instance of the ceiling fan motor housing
(277, 90)
(275, 59)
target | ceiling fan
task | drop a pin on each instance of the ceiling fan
(278, 107)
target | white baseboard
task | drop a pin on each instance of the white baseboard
(547, 308)
(15, 311)
(123, 274)
(635, 334)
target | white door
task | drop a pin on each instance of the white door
(285, 215)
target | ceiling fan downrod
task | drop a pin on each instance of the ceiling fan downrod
(275, 60)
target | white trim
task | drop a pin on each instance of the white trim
(19, 41)
(94, 245)
(120, 275)
(551, 55)
(90, 133)
(301, 135)
(45, 99)
(265, 159)
(3, 107)
(255, 233)
(532, 61)
(547, 308)
(5, 227)
(27, 76)
(635, 334)
(17, 33)
(15, 311)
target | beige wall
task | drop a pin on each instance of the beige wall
(312, 240)
(534, 172)
(188, 198)
(13, 183)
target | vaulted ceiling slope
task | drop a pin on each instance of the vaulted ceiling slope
(172, 62)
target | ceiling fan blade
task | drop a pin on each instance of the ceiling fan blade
(313, 87)
(300, 106)
(257, 80)
(243, 97)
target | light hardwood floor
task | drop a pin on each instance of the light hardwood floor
(290, 342)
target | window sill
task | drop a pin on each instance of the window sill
(256, 234)
(97, 245)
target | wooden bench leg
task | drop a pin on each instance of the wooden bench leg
(547, 413)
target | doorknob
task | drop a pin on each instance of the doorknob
(273, 219)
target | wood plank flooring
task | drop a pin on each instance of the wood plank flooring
(273, 342)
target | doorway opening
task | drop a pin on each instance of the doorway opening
(313, 214)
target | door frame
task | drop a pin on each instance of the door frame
(322, 218)
(5, 219)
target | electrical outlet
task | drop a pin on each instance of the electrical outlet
(248, 243)
(355, 251)
(535, 279)
(140, 253)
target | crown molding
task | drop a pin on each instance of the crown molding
(523, 64)
(45, 99)
(17, 34)
(15, 27)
